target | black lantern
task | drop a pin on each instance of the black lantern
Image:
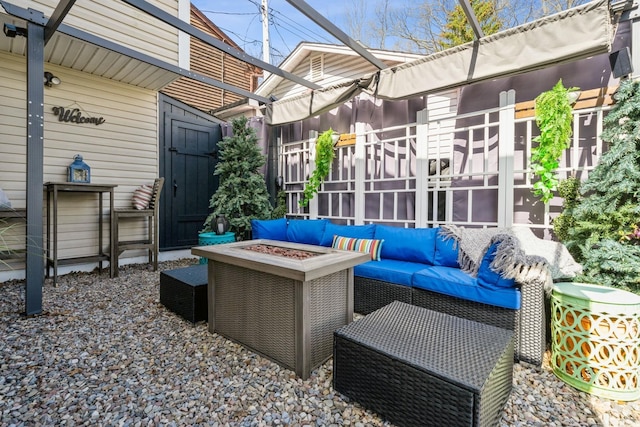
(221, 225)
(79, 171)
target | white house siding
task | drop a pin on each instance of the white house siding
(118, 22)
(122, 151)
(337, 69)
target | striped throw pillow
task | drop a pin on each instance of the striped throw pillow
(142, 197)
(368, 246)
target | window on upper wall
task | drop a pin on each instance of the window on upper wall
(316, 67)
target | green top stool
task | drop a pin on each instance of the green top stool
(596, 339)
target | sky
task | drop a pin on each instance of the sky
(241, 20)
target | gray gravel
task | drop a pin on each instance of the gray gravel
(106, 352)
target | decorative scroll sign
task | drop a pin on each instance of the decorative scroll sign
(75, 116)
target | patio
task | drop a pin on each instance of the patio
(105, 351)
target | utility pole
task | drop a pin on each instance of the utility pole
(266, 57)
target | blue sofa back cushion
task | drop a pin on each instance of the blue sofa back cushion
(446, 252)
(388, 270)
(456, 283)
(488, 278)
(309, 231)
(357, 231)
(274, 229)
(407, 244)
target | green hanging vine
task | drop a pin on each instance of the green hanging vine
(324, 159)
(554, 117)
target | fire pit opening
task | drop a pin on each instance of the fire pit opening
(280, 251)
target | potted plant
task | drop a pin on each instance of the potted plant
(554, 116)
(600, 228)
(242, 194)
(324, 159)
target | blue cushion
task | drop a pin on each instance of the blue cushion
(309, 231)
(274, 229)
(388, 270)
(456, 283)
(487, 277)
(357, 231)
(446, 252)
(408, 244)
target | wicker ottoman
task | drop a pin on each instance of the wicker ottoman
(184, 291)
(417, 367)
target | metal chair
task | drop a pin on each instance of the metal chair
(150, 242)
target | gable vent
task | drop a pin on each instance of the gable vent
(316, 68)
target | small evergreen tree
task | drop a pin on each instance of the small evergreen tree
(242, 194)
(603, 234)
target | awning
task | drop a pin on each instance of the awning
(567, 36)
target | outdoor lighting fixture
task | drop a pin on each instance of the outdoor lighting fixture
(221, 224)
(50, 79)
(78, 171)
(12, 31)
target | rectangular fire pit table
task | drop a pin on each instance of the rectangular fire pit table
(417, 367)
(282, 308)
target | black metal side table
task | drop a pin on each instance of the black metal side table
(53, 189)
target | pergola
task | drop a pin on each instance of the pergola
(570, 35)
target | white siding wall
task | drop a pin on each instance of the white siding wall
(118, 22)
(122, 151)
(337, 69)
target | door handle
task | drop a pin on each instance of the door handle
(175, 188)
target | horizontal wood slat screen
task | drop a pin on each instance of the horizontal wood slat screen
(587, 99)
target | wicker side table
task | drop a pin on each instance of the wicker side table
(595, 343)
(418, 367)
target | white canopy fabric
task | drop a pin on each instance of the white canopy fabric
(573, 34)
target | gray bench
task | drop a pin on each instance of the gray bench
(184, 291)
(418, 367)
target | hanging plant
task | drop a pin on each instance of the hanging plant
(554, 117)
(324, 160)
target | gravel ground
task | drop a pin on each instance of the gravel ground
(106, 352)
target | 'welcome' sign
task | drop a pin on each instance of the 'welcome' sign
(75, 116)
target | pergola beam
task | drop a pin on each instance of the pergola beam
(201, 35)
(56, 18)
(336, 32)
(471, 18)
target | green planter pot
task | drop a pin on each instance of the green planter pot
(206, 239)
(595, 345)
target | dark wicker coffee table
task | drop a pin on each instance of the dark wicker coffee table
(417, 367)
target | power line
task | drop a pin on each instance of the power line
(308, 32)
(227, 13)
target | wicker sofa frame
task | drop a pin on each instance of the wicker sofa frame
(528, 323)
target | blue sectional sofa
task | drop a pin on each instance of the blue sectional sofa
(420, 267)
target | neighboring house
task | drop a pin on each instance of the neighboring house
(323, 64)
(113, 73)
(211, 62)
(326, 65)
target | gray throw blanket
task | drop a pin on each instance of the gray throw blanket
(511, 261)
